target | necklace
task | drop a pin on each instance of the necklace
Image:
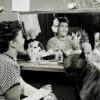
(62, 38)
(10, 56)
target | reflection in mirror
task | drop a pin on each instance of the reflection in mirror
(38, 27)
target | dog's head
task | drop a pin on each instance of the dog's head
(75, 67)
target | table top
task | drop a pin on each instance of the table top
(50, 67)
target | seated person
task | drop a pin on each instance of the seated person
(96, 39)
(34, 50)
(12, 86)
(93, 56)
(85, 45)
(87, 49)
(37, 53)
(61, 41)
(85, 75)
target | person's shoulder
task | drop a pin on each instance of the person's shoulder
(5, 60)
(53, 39)
(52, 42)
(2, 57)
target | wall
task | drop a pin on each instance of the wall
(56, 5)
(40, 5)
(7, 14)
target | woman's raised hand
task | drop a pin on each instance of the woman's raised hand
(76, 37)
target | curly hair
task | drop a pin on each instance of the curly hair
(8, 31)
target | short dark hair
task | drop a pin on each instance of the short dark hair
(8, 31)
(63, 19)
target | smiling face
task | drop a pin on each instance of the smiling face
(63, 29)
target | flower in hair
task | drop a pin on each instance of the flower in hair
(56, 22)
(55, 25)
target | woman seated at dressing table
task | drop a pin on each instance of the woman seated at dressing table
(61, 41)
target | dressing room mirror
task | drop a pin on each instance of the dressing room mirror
(38, 25)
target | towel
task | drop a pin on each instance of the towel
(31, 25)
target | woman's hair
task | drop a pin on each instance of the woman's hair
(56, 23)
(8, 32)
(63, 19)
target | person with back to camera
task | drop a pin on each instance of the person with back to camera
(61, 41)
(12, 86)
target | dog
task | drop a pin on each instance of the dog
(85, 76)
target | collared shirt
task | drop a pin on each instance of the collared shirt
(9, 74)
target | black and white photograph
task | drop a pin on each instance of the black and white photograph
(49, 49)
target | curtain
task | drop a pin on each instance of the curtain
(30, 24)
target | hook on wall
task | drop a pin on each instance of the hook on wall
(2, 9)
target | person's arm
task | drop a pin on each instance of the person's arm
(38, 95)
(10, 85)
(27, 89)
(13, 93)
(49, 45)
(33, 93)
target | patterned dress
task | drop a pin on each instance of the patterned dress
(9, 74)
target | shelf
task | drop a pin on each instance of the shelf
(64, 11)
